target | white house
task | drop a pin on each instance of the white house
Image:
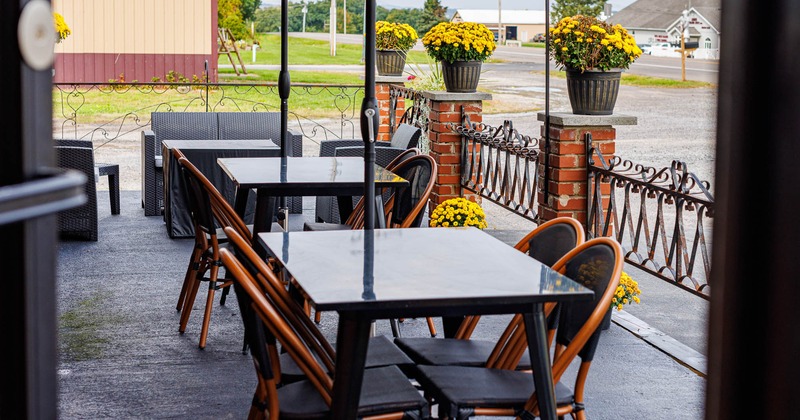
(520, 25)
(654, 21)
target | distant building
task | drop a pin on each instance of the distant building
(127, 40)
(520, 25)
(652, 21)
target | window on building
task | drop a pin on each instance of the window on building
(707, 44)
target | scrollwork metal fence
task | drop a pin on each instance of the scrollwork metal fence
(415, 110)
(623, 196)
(500, 164)
(85, 111)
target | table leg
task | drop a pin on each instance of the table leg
(345, 207)
(536, 330)
(240, 201)
(352, 340)
(113, 190)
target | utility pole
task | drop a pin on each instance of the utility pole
(344, 10)
(333, 28)
(305, 11)
(501, 34)
(684, 32)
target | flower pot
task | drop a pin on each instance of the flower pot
(461, 76)
(593, 92)
(390, 62)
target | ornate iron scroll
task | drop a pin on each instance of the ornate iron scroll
(72, 103)
(681, 202)
(416, 112)
(500, 164)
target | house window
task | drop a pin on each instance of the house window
(707, 44)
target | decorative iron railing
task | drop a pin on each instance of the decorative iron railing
(415, 110)
(499, 163)
(660, 246)
(84, 110)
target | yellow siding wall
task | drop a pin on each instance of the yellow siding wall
(137, 26)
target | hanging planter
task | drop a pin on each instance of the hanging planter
(461, 76)
(390, 62)
(593, 92)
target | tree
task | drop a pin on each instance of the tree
(249, 8)
(565, 8)
(229, 14)
(432, 13)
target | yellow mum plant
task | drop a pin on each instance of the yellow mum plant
(394, 36)
(627, 292)
(62, 29)
(458, 212)
(587, 43)
(459, 41)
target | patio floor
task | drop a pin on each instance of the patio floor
(121, 355)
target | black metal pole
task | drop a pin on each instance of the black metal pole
(369, 120)
(546, 103)
(284, 87)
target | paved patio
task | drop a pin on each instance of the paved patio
(121, 354)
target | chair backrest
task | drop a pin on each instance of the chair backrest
(81, 221)
(406, 136)
(73, 143)
(546, 243)
(409, 202)
(183, 126)
(199, 201)
(597, 264)
(221, 210)
(356, 219)
(284, 317)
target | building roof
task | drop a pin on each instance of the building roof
(662, 14)
(509, 17)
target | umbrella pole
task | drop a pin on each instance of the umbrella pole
(369, 120)
(284, 87)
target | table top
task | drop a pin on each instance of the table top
(430, 269)
(219, 144)
(304, 171)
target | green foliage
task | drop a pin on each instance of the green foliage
(564, 8)
(229, 15)
(249, 8)
(269, 19)
(432, 13)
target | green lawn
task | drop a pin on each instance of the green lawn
(647, 81)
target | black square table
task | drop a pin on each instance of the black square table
(203, 154)
(300, 176)
(366, 275)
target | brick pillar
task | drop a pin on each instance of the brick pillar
(567, 184)
(445, 146)
(382, 84)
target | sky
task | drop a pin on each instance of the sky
(468, 4)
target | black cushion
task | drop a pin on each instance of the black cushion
(458, 387)
(384, 389)
(381, 352)
(450, 351)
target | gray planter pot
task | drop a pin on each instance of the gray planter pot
(593, 92)
(390, 62)
(461, 76)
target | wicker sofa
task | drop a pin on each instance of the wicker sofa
(79, 222)
(205, 126)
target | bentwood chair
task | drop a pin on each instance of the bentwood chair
(465, 391)
(386, 391)
(356, 218)
(380, 351)
(547, 243)
(204, 262)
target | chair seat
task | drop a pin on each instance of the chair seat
(465, 386)
(381, 352)
(450, 351)
(384, 389)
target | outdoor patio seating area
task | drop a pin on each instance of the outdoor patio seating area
(121, 354)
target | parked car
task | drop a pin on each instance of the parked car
(664, 49)
(646, 48)
(538, 38)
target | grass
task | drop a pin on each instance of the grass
(81, 329)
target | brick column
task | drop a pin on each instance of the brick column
(567, 184)
(445, 146)
(382, 84)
